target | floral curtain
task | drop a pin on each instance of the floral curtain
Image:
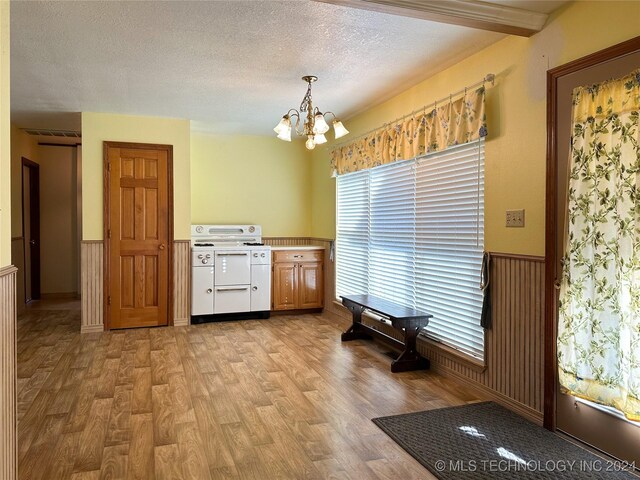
(599, 316)
(455, 123)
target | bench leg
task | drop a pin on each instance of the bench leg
(355, 332)
(410, 359)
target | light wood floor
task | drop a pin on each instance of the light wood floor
(257, 399)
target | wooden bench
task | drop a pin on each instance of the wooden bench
(404, 319)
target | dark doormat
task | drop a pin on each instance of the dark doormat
(485, 440)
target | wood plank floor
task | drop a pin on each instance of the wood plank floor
(254, 399)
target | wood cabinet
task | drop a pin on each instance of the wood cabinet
(298, 279)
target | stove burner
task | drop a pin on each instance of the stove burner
(253, 244)
(203, 244)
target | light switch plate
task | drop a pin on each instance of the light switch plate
(515, 218)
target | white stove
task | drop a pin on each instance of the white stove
(230, 270)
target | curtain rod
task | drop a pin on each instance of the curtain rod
(488, 78)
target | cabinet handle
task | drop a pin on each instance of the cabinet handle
(209, 290)
(244, 254)
(231, 289)
(298, 256)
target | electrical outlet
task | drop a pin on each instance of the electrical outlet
(515, 218)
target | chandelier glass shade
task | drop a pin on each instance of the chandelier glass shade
(314, 125)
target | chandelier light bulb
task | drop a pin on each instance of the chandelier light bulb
(310, 144)
(320, 124)
(286, 135)
(319, 139)
(283, 126)
(339, 129)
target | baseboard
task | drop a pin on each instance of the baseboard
(60, 296)
(523, 410)
(180, 322)
(92, 329)
(277, 313)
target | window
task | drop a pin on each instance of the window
(413, 232)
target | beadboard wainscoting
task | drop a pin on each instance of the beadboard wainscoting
(8, 426)
(513, 371)
(181, 282)
(92, 260)
(91, 268)
(514, 347)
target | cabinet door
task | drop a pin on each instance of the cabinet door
(310, 285)
(285, 281)
(202, 290)
(260, 288)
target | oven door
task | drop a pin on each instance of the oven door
(232, 298)
(233, 267)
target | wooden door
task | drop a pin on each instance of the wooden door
(310, 285)
(138, 224)
(285, 281)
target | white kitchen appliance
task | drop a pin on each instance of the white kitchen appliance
(230, 270)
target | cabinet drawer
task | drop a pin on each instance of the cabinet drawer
(298, 256)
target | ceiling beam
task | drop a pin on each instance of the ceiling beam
(468, 13)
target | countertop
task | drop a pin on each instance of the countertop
(297, 247)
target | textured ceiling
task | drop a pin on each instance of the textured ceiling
(230, 66)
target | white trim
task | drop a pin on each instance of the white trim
(92, 329)
(470, 13)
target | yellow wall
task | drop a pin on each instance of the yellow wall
(516, 110)
(251, 179)
(100, 127)
(5, 138)
(58, 222)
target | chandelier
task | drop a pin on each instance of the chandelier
(314, 127)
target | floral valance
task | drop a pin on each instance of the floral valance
(607, 98)
(457, 122)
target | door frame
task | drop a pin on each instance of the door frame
(106, 213)
(34, 193)
(551, 255)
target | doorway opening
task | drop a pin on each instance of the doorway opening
(599, 427)
(31, 228)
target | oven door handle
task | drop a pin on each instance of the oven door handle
(231, 254)
(232, 289)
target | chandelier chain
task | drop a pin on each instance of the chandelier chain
(306, 101)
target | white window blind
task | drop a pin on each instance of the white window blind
(352, 233)
(392, 232)
(413, 232)
(450, 243)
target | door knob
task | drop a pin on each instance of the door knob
(32, 243)
(161, 247)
